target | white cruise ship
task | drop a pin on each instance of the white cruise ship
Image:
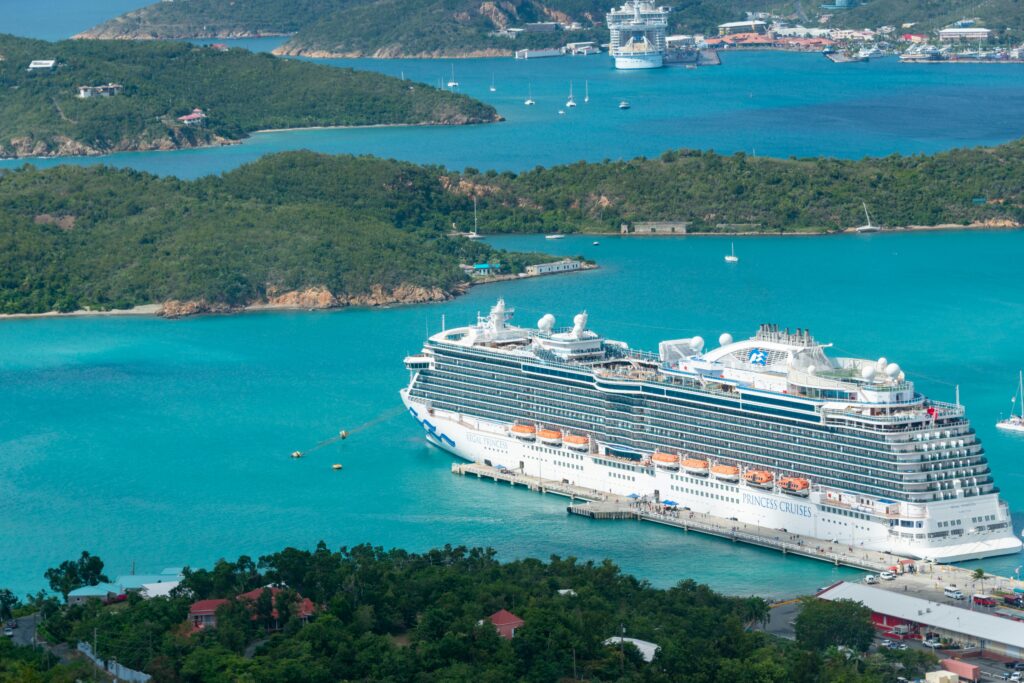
(638, 35)
(769, 430)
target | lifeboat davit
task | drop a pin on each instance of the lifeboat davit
(524, 432)
(762, 479)
(666, 461)
(696, 466)
(726, 472)
(552, 437)
(577, 442)
(795, 486)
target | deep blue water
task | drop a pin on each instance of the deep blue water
(166, 442)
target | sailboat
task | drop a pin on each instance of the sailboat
(570, 102)
(869, 227)
(475, 235)
(1015, 423)
(586, 91)
(453, 83)
(492, 88)
(731, 257)
(529, 97)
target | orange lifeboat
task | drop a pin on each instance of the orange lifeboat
(666, 460)
(577, 442)
(524, 432)
(762, 479)
(551, 437)
(726, 472)
(696, 466)
(795, 486)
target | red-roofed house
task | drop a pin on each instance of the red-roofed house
(506, 623)
(196, 118)
(304, 607)
(203, 614)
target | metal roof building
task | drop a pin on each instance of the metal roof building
(973, 628)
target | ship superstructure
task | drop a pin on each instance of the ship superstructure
(637, 35)
(770, 430)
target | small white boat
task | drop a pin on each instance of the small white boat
(570, 102)
(561, 112)
(586, 91)
(623, 104)
(1015, 423)
(731, 257)
(453, 83)
(596, 243)
(492, 88)
(529, 97)
(555, 236)
(869, 227)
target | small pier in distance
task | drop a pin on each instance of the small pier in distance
(598, 505)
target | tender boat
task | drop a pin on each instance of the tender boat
(596, 243)
(666, 461)
(336, 466)
(795, 486)
(695, 466)
(1015, 423)
(555, 236)
(761, 479)
(731, 257)
(623, 104)
(524, 432)
(296, 454)
(551, 437)
(577, 442)
(728, 473)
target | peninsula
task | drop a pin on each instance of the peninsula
(97, 97)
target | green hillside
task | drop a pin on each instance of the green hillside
(932, 14)
(40, 113)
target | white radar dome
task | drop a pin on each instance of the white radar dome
(902, 377)
(580, 319)
(892, 369)
(868, 372)
(546, 323)
(725, 339)
(697, 343)
(880, 365)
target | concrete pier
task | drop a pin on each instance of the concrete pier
(607, 506)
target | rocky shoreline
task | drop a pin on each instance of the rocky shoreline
(63, 146)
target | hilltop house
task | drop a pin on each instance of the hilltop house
(108, 90)
(196, 118)
(506, 623)
(146, 585)
(203, 613)
(42, 65)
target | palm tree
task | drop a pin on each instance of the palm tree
(979, 576)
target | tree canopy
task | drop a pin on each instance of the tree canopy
(822, 624)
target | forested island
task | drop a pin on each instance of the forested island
(315, 231)
(451, 614)
(393, 28)
(162, 95)
(465, 28)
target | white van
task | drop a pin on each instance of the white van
(954, 593)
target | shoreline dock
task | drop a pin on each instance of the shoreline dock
(599, 505)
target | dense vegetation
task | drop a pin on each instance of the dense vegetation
(397, 616)
(95, 237)
(998, 15)
(397, 27)
(73, 237)
(240, 92)
(723, 193)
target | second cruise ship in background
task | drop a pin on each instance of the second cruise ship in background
(768, 430)
(638, 35)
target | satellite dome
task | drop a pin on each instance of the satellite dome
(725, 339)
(892, 369)
(697, 343)
(546, 323)
(580, 319)
(902, 376)
(867, 372)
(880, 365)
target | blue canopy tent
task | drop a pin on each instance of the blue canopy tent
(670, 503)
(632, 495)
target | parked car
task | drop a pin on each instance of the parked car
(870, 578)
(933, 643)
(887, 576)
(8, 631)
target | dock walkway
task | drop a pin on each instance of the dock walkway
(607, 506)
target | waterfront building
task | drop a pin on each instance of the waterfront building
(638, 35)
(969, 33)
(973, 629)
(768, 430)
(732, 27)
(563, 266)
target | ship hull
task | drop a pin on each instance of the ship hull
(633, 62)
(489, 443)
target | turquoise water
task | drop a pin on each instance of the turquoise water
(59, 19)
(167, 442)
(776, 104)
